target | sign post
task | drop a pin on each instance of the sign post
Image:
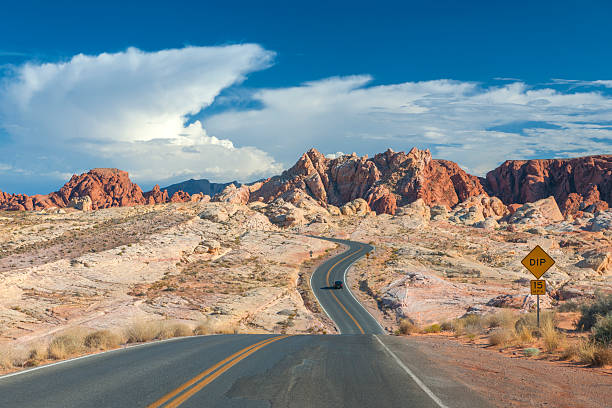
(538, 262)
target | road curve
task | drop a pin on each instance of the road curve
(340, 305)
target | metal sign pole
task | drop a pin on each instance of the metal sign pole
(538, 311)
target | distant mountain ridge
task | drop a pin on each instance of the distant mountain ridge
(202, 186)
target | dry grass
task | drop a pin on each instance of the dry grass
(36, 355)
(551, 337)
(202, 328)
(524, 336)
(226, 328)
(407, 327)
(503, 318)
(67, 344)
(6, 358)
(103, 340)
(78, 341)
(502, 336)
(602, 356)
(168, 330)
(434, 328)
(141, 331)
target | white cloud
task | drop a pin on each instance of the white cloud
(458, 120)
(129, 110)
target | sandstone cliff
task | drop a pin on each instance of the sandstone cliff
(578, 184)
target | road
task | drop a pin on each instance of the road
(339, 304)
(349, 370)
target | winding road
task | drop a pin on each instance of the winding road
(359, 368)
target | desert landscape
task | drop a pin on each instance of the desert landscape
(103, 263)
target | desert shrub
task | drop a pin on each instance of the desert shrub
(531, 351)
(202, 328)
(586, 351)
(434, 328)
(524, 335)
(470, 325)
(602, 330)
(36, 355)
(503, 318)
(571, 352)
(530, 322)
(407, 327)
(139, 331)
(602, 356)
(226, 328)
(569, 306)
(589, 313)
(65, 345)
(6, 359)
(550, 336)
(102, 340)
(168, 330)
(447, 326)
(501, 336)
(593, 354)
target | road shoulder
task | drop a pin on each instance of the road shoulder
(499, 380)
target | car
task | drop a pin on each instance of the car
(338, 285)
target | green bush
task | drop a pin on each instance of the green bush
(434, 328)
(602, 330)
(569, 306)
(601, 307)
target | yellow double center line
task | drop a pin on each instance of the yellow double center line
(188, 389)
(334, 296)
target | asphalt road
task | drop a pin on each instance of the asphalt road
(349, 370)
(339, 304)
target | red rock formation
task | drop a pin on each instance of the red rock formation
(180, 197)
(156, 196)
(105, 187)
(387, 180)
(579, 184)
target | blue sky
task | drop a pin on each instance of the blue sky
(476, 83)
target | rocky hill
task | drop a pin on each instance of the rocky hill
(104, 187)
(386, 181)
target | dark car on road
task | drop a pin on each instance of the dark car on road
(338, 285)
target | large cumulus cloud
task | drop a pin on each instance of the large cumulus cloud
(128, 110)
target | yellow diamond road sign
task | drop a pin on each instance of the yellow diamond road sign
(538, 262)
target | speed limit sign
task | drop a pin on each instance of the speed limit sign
(538, 287)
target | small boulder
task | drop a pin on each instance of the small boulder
(599, 261)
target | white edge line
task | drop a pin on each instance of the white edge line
(29, 370)
(357, 301)
(416, 379)
(321, 304)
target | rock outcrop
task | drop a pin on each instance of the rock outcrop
(156, 196)
(103, 187)
(386, 181)
(579, 184)
(541, 212)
